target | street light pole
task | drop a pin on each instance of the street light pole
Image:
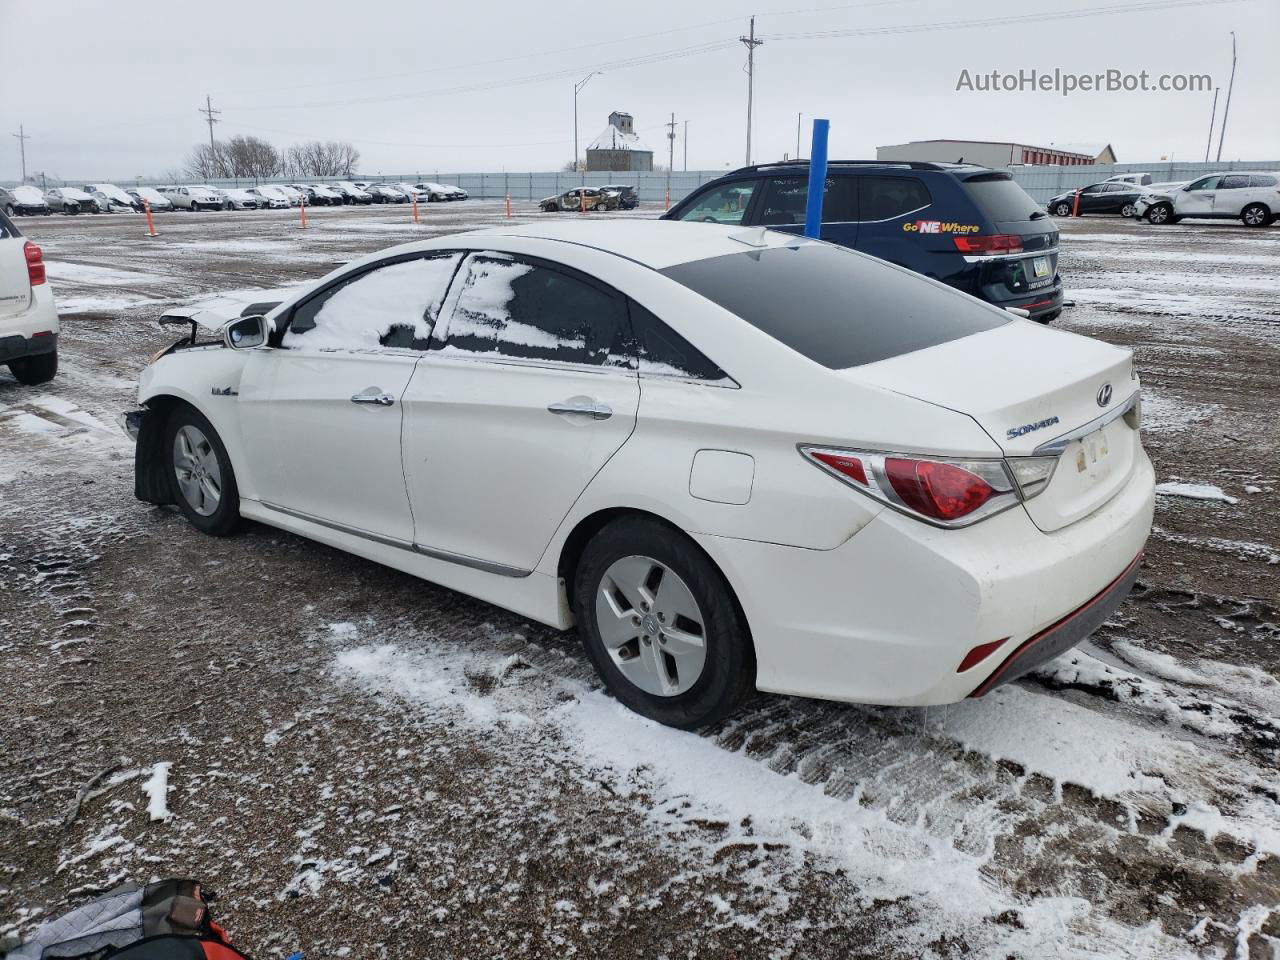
(577, 88)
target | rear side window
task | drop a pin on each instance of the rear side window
(884, 198)
(527, 310)
(1263, 181)
(836, 307)
(394, 305)
(785, 199)
(7, 229)
(999, 198)
(664, 353)
(725, 204)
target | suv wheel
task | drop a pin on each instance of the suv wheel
(1062, 209)
(30, 371)
(1255, 215)
(1160, 213)
(661, 626)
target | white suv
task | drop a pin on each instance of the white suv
(1253, 198)
(192, 198)
(28, 318)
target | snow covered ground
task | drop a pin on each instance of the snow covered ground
(362, 764)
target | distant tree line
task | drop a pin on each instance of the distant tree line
(254, 158)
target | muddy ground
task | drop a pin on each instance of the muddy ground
(367, 765)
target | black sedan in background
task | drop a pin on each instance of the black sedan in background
(1109, 197)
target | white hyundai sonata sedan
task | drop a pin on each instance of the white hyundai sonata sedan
(734, 458)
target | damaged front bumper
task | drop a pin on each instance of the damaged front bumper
(131, 422)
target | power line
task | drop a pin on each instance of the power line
(751, 43)
(23, 137)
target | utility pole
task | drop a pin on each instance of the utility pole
(210, 118)
(798, 116)
(751, 43)
(671, 150)
(1227, 106)
(1213, 114)
(23, 137)
(686, 146)
(577, 88)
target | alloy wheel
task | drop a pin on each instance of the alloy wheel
(651, 626)
(195, 465)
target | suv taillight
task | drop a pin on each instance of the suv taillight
(35, 263)
(946, 493)
(995, 243)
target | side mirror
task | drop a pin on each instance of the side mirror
(245, 333)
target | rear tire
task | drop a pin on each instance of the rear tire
(1255, 215)
(199, 472)
(1127, 211)
(30, 371)
(691, 642)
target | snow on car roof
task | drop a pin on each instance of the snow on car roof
(654, 243)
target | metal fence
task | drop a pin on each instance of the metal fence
(1042, 182)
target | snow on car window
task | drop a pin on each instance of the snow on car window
(662, 352)
(521, 310)
(392, 306)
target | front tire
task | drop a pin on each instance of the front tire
(1255, 215)
(1061, 210)
(199, 471)
(1160, 214)
(661, 625)
(30, 371)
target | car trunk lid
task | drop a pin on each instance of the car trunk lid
(1035, 392)
(15, 281)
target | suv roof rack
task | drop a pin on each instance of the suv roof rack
(907, 164)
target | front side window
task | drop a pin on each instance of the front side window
(785, 199)
(391, 306)
(528, 310)
(885, 198)
(1205, 183)
(727, 204)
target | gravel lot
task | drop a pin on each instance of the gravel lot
(366, 765)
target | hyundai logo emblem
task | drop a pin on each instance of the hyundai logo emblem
(1104, 394)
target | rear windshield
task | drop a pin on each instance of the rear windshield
(999, 198)
(838, 308)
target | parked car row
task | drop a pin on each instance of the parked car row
(29, 200)
(1252, 197)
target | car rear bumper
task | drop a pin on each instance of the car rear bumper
(16, 347)
(1040, 303)
(889, 616)
(33, 331)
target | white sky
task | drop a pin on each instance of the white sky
(112, 90)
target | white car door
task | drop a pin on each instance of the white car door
(528, 390)
(320, 410)
(1232, 194)
(1197, 199)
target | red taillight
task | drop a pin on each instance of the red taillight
(978, 654)
(995, 243)
(35, 263)
(939, 490)
(850, 467)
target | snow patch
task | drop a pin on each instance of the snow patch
(1194, 491)
(157, 790)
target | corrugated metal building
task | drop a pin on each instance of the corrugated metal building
(991, 153)
(619, 147)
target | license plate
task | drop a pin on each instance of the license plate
(1093, 449)
(1040, 267)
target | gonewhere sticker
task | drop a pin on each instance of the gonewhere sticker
(939, 226)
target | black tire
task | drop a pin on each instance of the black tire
(729, 670)
(1255, 215)
(33, 370)
(8, 210)
(1061, 210)
(1127, 211)
(225, 518)
(1160, 214)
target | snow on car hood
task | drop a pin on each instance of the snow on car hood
(214, 313)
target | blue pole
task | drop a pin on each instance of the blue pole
(817, 180)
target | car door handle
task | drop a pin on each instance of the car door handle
(596, 411)
(380, 399)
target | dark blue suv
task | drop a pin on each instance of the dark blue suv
(970, 227)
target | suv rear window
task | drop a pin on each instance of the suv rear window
(836, 307)
(999, 197)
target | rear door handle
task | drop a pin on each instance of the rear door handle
(575, 408)
(374, 396)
